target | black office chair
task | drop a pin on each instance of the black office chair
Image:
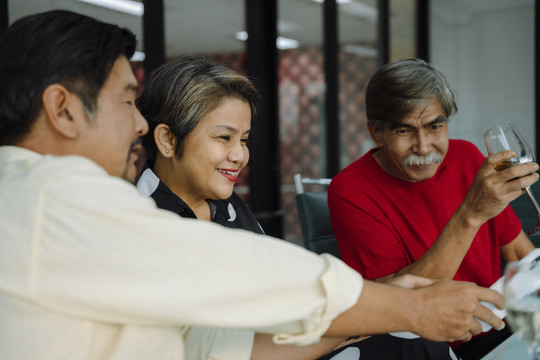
(525, 211)
(314, 216)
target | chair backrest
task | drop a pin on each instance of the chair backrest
(314, 217)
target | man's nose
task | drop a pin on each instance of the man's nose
(423, 143)
(141, 125)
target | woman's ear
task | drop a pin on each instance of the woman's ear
(376, 134)
(63, 109)
(165, 140)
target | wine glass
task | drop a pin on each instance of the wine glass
(505, 136)
(522, 302)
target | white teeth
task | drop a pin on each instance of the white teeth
(228, 172)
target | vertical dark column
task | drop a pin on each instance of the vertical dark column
(262, 67)
(4, 17)
(331, 66)
(383, 32)
(422, 29)
(537, 76)
(153, 34)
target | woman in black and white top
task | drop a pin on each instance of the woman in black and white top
(199, 113)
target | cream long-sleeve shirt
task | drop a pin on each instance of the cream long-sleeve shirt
(89, 269)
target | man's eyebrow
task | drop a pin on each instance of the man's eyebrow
(438, 119)
(399, 124)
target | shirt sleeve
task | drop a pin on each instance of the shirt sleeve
(99, 250)
(508, 226)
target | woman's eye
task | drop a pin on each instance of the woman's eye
(225, 137)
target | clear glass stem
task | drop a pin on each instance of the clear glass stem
(536, 229)
(533, 200)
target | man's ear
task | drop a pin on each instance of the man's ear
(165, 140)
(376, 134)
(61, 108)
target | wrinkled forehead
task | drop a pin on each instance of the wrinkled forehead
(427, 112)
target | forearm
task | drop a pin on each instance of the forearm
(376, 312)
(444, 311)
(517, 249)
(443, 258)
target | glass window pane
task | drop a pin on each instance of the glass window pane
(301, 97)
(402, 29)
(131, 20)
(358, 59)
(486, 50)
(203, 26)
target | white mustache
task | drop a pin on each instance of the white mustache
(428, 159)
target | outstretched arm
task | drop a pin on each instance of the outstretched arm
(438, 310)
(444, 311)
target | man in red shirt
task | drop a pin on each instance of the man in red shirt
(420, 203)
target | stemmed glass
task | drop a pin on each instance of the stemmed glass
(522, 302)
(505, 136)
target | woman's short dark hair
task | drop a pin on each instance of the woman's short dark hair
(182, 92)
(398, 88)
(54, 47)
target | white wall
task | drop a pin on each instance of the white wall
(486, 50)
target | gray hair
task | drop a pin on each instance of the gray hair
(398, 88)
(182, 92)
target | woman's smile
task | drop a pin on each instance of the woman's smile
(230, 174)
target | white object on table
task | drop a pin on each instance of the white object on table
(498, 285)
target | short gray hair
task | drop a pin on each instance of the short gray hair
(398, 88)
(182, 92)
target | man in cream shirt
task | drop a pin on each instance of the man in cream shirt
(91, 270)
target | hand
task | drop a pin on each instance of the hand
(445, 310)
(493, 190)
(448, 310)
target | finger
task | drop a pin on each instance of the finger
(491, 296)
(518, 183)
(466, 337)
(476, 327)
(486, 315)
(494, 159)
(520, 170)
